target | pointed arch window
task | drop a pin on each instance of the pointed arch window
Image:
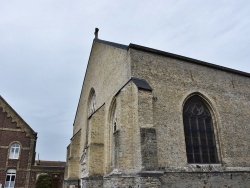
(114, 121)
(14, 151)
(92, 103)
(199, 132)
(114, 141)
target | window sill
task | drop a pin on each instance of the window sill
(199, 165)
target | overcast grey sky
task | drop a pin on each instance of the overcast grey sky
(45, 45)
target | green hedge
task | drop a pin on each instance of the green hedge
(44, 181)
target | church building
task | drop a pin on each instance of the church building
(148, 118)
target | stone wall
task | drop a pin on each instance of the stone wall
(172, 180)
(173, 80)
(107, 70)
(95, 147)
(149, 149)
(72, 158)
(129, 159)
(206, 180)
(139, 180)
(149, 142)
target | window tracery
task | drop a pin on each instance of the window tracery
(199, 132)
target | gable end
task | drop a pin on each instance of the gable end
(17, 119)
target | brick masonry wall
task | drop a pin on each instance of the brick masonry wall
(14, 130)
(10, 136)
(23, 159)
(21, 178)
(6, 121)
(9, 133)
(3, 153)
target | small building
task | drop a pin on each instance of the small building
(148, 118)
(54, 168)
(17, 153)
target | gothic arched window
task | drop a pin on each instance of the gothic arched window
(114, 120)
(92, 103)
(199, 132)
(114, 135)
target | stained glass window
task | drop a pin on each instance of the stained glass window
(199, 132)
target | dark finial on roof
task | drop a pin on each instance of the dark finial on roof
(96, 33)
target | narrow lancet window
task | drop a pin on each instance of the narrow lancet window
(114, 121)
(114, 136)
(92, 103)
(199, 132)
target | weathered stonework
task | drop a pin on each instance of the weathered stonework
(145, 147)
(72, 160)
(206, 179)
(149, 149)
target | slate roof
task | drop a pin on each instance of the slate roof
(141, 84)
